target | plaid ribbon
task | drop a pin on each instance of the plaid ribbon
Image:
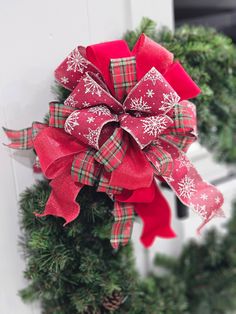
(112, 151)
(23, 139)
(104, 186)
(85, 169)
(123, 225)
(123, 75)
(159, 158)
(58, 113)
(182, 133)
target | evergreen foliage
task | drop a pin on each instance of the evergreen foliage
(207, 271)
(210, 59)
(71, 269)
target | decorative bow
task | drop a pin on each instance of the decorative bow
(126, 123)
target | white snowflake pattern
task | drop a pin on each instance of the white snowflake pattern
(91, 86)
(200, 209)
(217, 200)
(76, 62)
(150, 93)
(64, 80)
(153, 75)
(71, 122)
(70, 101)
(100, 111)
(186, 187)
(90, 119)
(93, 136)
(169, 100)
(85, 104)
(154, 125)
(204, 197)
(183, 161)
(139, 104)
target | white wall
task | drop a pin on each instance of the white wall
(35, 37)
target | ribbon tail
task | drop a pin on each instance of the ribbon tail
(156, 217)
(202, 197)
(24, 139)
(61, 202)
(123, 225)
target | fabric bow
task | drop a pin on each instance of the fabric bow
(126, 123)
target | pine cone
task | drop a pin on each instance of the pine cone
(113, 302)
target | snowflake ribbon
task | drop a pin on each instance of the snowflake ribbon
(95, 139)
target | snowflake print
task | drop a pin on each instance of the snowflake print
(169, 100)
(186, 187)
(200, 209)
(139, 104)
(153, 75)
(100, 111)
(70, 101)
(93, 137)
(64, 80)
(91, 87)
(75, 62)
(204, 197)
(154, 125)
(183, 161)
(150, 93)
(90, 119)
(217, 200)
(71, 122)
(85, 104)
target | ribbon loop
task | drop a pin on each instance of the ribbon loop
(123, 76)
(55, 150)
(70, 71)
(89, 126)
(89, 92)
(144, 130)
(152, 95)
